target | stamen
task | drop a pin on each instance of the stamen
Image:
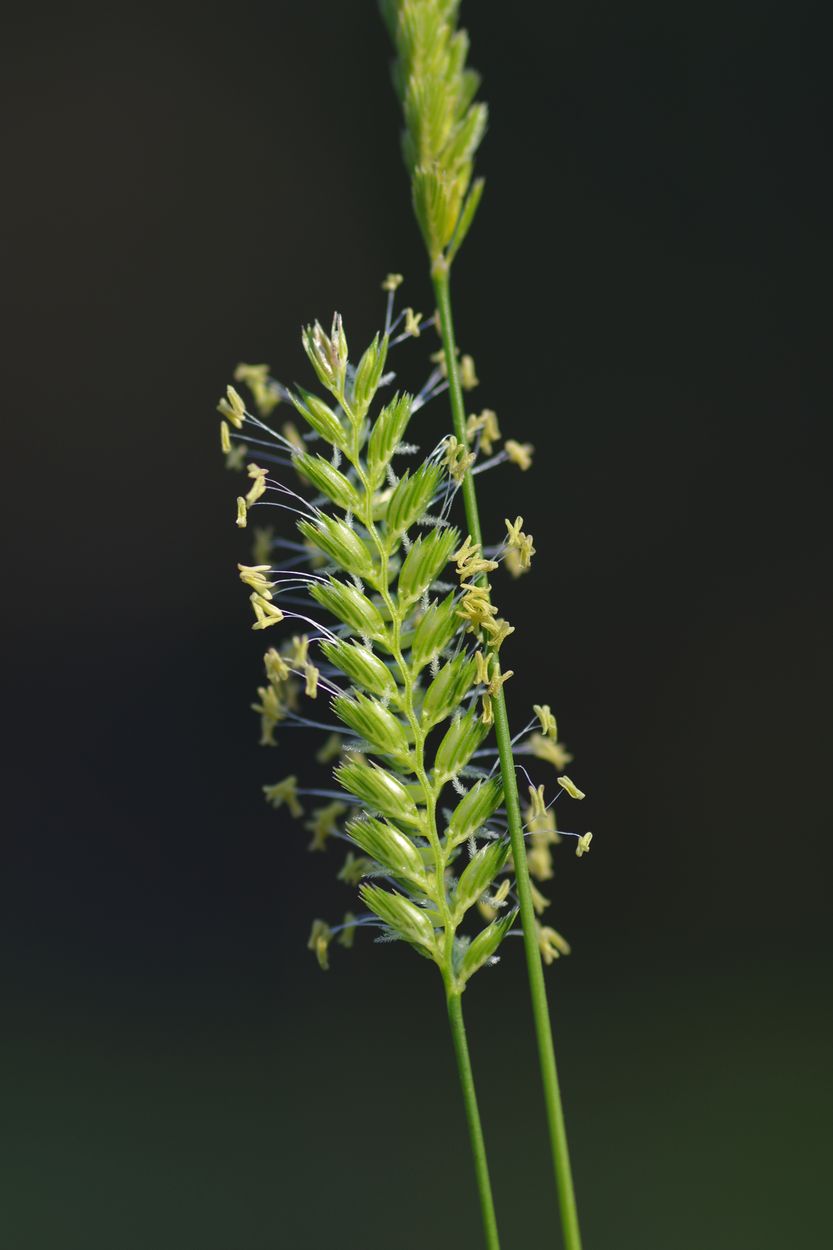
(500, 458)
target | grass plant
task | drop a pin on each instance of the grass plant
(393, 634)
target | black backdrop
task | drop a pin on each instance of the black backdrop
(646, 293)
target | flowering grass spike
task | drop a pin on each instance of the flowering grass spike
(400, 653)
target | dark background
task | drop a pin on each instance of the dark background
(647, 295)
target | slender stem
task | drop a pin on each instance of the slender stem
(538, 992)
(478, 1146)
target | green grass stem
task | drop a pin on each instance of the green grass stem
(537, 987)
(478, 1145)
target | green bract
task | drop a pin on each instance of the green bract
(326, 478)
(478, 875)
(424, 563)
(459, 745)
(443, 126)
(447, 690)
(319, 416)
(352, 607)
(472, 812)
(387, 432)
(484, 946)
(434, 632)
(390, 848)
(403, 918)
(411, 497)
(362, 667)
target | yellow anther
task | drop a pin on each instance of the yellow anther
(512, 563)
(468, 376)
(266, 620)
(236, 457)
(501, 894)
(551, 944)
(412, 321)
(324, 822)
(225, 438)
(319, 941)
(291, 691)
(259, 604)
(499, 630)
(519, 453)
(514, 530)
(232, 408)
(290, 433)
(252, 575)
(538, 901)
(457, 459)
(438, 358)
(520, 543)
(541, 826)
(473, 425)
(392, 282)
(469, 560)
(465, 553)
(311, 688)
(486, 425)
(266, 392)
(487, 715)
(546, 719)
(299, 650)
(258, 486)
(571, 788)
(469, 611)
(491, 431)
(277, 669)
(330, 750)
(497, 681)
(285, 792)
(271, 711)
(475, 607)
(262, 539)
(554, 753)
(348, 931)
(490, 906)
(583, 845)
(251, 373)
(540, 862)
(536, 799)
(477, 565)
(482, 675)
(480, 593)
(354, 868)
(266, 613)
